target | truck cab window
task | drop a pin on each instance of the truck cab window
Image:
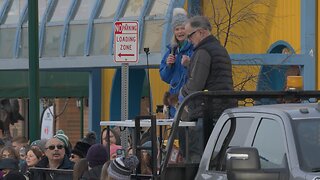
(233, 133)
(270, 144)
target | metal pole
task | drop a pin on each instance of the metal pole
(124, 102)
(81, 117)
(34, 118)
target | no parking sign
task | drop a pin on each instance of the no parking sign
(126, 41)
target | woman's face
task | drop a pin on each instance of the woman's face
(31, 159)
(180, 33)
(7, 154)
(111, 137)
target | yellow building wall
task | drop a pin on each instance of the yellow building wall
(106, 78)
(317, 45)
(269, 23)
(158, 87)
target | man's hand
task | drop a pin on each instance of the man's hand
(185, 61)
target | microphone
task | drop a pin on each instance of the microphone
(172, 52)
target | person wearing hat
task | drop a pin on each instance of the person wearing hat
(174, 64)
(55, 158)
(81, 148)
(8, 164)
(64, 138)
(122, 167)
(96, 157)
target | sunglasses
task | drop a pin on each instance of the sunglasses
(52, 147)
(191, 34)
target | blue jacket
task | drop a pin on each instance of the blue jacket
(175, 75)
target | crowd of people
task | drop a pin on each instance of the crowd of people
(56, 158)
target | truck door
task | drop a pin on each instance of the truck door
(271, 144)
(229, 131)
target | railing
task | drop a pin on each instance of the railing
(50, 174)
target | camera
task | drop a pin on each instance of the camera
(121, 153)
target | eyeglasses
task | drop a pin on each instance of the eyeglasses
(52, 147)
(191, 34)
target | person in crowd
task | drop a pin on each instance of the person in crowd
(113, 136)
(56, 157)
(96, 157)
(79, 168)
(9, 152)
(14, 175)
(122, 167)
(65, 139)
(173, 67)
(210, 69)
(146, 159)
(104, 171)
(22, 158)
(41, 144)
(19, 142)
(81, 148)
(34, 155)
(8, 164)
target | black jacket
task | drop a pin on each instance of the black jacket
(52, 174)
(210, 69)
(92, 174)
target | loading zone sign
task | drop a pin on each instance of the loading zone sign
(126, 41)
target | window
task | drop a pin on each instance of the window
(109, 9)
(85, 10)
(60, 11)
(1, 3)
(42, 5)
(159, 8)
(270, 144)
(238, 138)
(133, 8)
(15, 12)
(307, 136)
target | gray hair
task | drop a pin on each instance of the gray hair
(200, 22)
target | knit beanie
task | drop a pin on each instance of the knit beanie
(9, 163)
(40, 143)
(179, 17)
(81, 149)
(122, 167)
(90, 138)
(97, 155)
(62, 137)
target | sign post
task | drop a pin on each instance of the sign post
(126, 50)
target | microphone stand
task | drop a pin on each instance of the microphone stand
(147, 51)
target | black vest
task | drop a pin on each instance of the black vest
(220, 77)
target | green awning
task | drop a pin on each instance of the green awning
(14, 84)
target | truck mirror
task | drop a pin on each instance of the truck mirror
(243, 163)
(242, 158)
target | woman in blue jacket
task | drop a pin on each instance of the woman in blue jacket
(173, 67)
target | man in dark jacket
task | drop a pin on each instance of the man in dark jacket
(54, 160)
(210, 69)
